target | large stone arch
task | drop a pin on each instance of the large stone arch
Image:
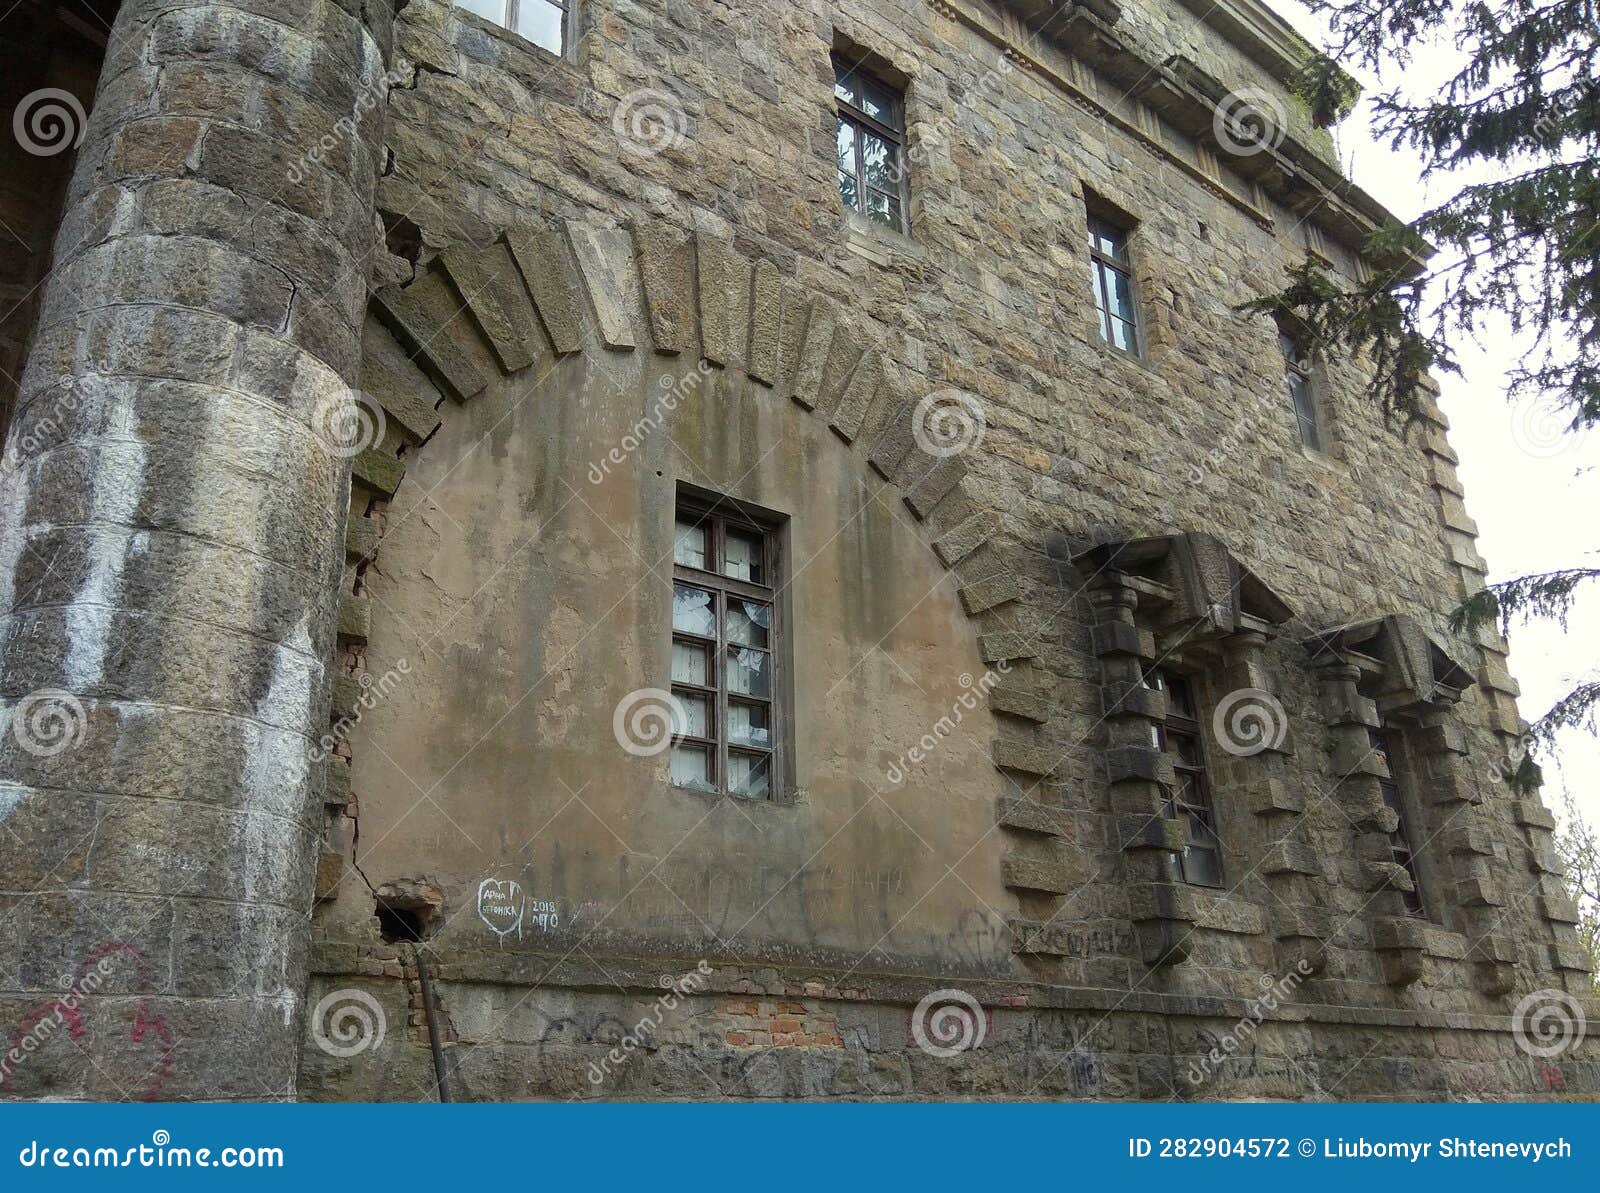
(536, 296)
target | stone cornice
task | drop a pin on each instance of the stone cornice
(1290, 170)
(1259, 32)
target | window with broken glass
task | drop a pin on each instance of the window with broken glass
(1179, 735)
(1400, 840)
(723, 646)
(871, 145)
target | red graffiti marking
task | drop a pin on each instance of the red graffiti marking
(1553, 1077)
(70, 1008)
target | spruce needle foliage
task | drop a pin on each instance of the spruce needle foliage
(1517, 241)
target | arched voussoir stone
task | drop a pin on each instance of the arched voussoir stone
(541, 294)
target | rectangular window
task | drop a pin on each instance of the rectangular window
(1179, 736)
(724, 640)
(543, 22)
(1399, 840)
(1302, 399)
(871, 146)
(1112, 277)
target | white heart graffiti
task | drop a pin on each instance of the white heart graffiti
(500, 905)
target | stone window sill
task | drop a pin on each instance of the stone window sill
(1325, 460)
(513, 39)
(1110, 352)
(786, 799)
(876, 243)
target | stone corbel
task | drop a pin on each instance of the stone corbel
(1415, 682)
(1139, 776)
(1183, 597)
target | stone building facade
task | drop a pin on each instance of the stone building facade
(536, 563)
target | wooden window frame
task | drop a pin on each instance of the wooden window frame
(848, 111)
(1101, 264)
(1404, 855)
(718, 518)
(511, 10)
(1177, 806)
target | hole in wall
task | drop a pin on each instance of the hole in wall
(403, 925)
(402, 236)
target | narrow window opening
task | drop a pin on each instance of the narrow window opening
(870, 145)
(1180, 736)
(1298, 381)
(1400, 847)
(546, 23)
(1111, 276)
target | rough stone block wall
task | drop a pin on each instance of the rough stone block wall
(554, 259)
(1013, 134)
(170, 529)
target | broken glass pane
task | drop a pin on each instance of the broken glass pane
(748, 622)
(691, 611)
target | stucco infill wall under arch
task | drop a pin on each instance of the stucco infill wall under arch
(784, 407)
(530, 601)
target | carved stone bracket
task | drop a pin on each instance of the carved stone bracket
(1186, 599)
(1391, 671)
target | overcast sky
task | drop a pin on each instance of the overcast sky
(1532, 488)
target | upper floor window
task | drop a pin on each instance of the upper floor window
(1179, 736)
(871, 145)
(545, 23)
(1112, 276)
(723, 645)
(1400, 840)
(1302, 395)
